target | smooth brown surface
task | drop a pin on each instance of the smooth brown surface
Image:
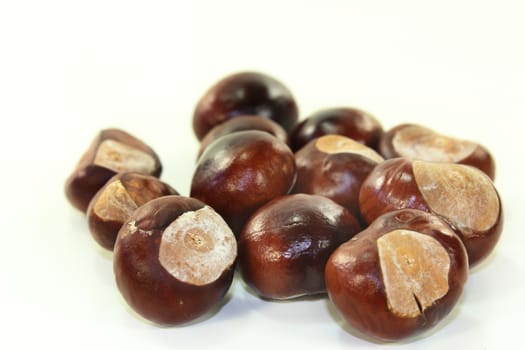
(241, 172)
(243, 123)
(145, 284)
(246, 93)
(134, 189)
(88, 176)
(355, 279)
(337, 175)
(284, 246)
(432, 146)
(350, 122)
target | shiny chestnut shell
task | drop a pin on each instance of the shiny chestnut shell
(103, 159)
(284, 246)
(117, 199)
(357, 276)
(243, 123)
(245, 93)
(242, 171)
(146, 285)
(350, 122)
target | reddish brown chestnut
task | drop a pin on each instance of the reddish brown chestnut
(174, 259)
(418, 142)
(284, 246)
(462, 195)
(350, 122)
(112, 151)
(243, 123)
(246, 93)
(334, 166)
(117, 199)
(400, 276)
(242, 171)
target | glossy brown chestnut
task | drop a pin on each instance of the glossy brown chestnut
(243, 123)
(350, 122)
(400, 276)
(462, 195)
(117, 199)
(174, 260)
(284, 246)
(112, 151)
(242, 171)
(246, 93)
(414, 141)
(334, 166)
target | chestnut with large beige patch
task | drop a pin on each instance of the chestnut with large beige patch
(414, 269)
(114, 203)
(339, 144)
(464, 195)
(197, 247)
(417, 142)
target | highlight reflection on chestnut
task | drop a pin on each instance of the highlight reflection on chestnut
(284, 246)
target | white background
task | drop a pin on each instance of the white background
(70, 68)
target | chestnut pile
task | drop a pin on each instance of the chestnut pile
(386, 223)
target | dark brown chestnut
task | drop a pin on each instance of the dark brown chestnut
(462, 195)
(350, 122)
(284, 246)
(414, 142)
(117, 199)
(334, 166)
(399, 277)
(246, 93)
(112, 151)
(243, 123)
(174, 260)
(242, 171)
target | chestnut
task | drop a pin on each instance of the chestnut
(112, 151)
(243, 123)
(399, 277)
(242, 171)
(414, 141)
(350, 122)
(174, 260)
(284, 246)
(117, 199)
(462, 195)
(245, 93)
(334, 166)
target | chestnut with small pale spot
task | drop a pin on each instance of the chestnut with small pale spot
(335, 166)
(284, 246)
(462, 195)
(111, 152)
(416, 142)
(174, 260)
(399, 277)
(117, 199)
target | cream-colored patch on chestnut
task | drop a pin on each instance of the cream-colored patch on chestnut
(120, 157)
(197, 247)
(114, 203)
(463, 194)
(417, 142)
(339, 144)
(415, 269)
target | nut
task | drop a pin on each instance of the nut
(400, 276)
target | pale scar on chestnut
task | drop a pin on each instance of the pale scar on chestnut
(339, 144)
(463, 194)
(197, 247)
(415, 269)
(120, 157)
(114, 203)
(417, 142)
